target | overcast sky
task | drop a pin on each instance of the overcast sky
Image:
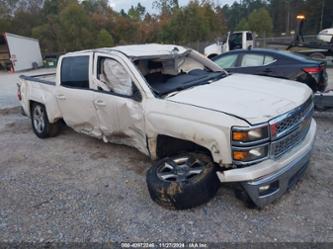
(126, 4)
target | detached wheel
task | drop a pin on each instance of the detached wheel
(184, 181)
(40, 122)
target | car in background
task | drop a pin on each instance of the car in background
(275, 63)
(51, 60)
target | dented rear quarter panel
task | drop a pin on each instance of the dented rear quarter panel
(41, 93)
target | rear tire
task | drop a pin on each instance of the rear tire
(40, 122)
(182, 182)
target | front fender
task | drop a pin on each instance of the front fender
(213, 138)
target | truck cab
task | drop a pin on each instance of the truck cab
(232, 41)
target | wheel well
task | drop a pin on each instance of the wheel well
(167, 146)
(31, 103)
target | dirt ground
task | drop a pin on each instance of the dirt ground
(76, 188)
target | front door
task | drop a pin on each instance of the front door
(119, 107)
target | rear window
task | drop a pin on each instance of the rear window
(75, 72)
(268, 60)
(252, 60)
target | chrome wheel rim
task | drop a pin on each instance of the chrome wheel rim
(38, 119)
(181, 169)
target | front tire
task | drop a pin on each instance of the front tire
(40, 122)
(183, 181)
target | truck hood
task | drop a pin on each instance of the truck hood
(256, 99)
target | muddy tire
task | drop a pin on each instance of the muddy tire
(183, 181)
(40, 122)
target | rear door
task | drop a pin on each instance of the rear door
(74, 97)
(257, 63)
(118, 102)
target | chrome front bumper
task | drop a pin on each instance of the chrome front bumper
(275, 175)
(277, 183)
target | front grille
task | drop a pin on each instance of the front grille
(286, 143)
(286, 132)
(290, 120)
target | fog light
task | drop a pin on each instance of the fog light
(264, 188)
(269, 188)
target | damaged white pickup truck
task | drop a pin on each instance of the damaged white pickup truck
(202, 125)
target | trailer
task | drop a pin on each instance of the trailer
(322, 48)
(18, 53)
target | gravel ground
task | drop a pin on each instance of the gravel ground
(76, 188)
(330, 78)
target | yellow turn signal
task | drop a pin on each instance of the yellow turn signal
(240, 135)
(240, 155)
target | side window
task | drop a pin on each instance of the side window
(75, 72)
(228, 61)
(268, 60)
(252, 60)
(114, 76)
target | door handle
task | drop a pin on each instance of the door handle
(61, 97)
(100, 103)
(268, 70)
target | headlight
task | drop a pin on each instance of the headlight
(250, 155)
(250, 144)
(242, 135)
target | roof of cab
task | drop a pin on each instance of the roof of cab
(142, 50)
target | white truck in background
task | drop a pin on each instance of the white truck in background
(18, 53)
(233, 40)
(202, 125)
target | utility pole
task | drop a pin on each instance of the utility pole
(322, 14)
(287, 2)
